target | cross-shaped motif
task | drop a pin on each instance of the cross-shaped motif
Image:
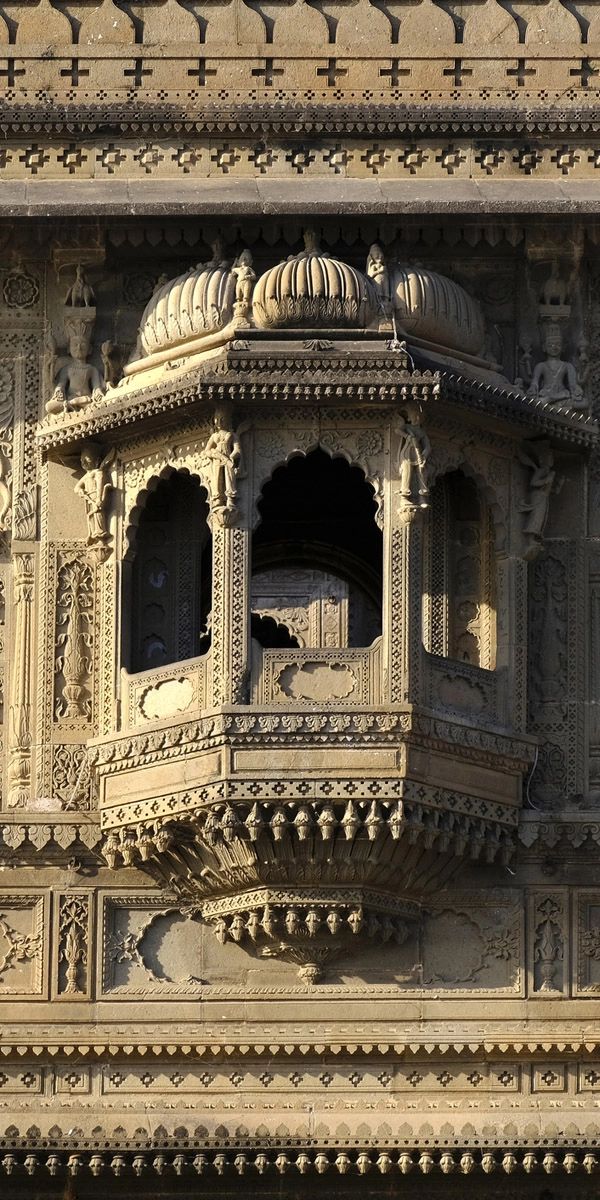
(34, 158)
(394, 71)
(201, 72)
(138, 72)
(565, 159)
(457, 71)
(269, 71)
(521, 71)
(75, 73)
(72, 158)
(585, 72)
(11, 72)
(331, 71)
(110, 157)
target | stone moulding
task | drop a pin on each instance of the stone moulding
(288, 119)
(251, 1159)
(378, 381)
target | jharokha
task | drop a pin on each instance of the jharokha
(300, 599)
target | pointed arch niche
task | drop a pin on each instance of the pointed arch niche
(168, 583)
(317, 557)
(460, 598)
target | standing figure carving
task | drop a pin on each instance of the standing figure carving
(245, 276)
(94, 486)
(538, 457)
(377, 271)
(222, 462)
(413, 452)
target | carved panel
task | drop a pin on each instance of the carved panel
(170, 691)
(587, 944)
(72, 965)
(556, 673)
(149, 947)
(474, 945)
(329, 677)
(466, 690)
(23, 945)
(24, 1080)
(548, 943)
(68, 675)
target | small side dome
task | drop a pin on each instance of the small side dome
(312, 290)
(435, 309)
(200, 302)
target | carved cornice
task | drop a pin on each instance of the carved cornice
(293, 378)
(368, 728)
(550, 830)
(298, 120)
(26, 841)
(468, 1039)
(67, 1157)
(367, 377)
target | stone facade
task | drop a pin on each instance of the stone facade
(300, 597)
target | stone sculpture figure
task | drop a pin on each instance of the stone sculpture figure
(77, 380)
(94, 486)
(538, 457)
(413, 452)
(222, 461)
(555, 380)
(554, 290)
(525, 348)
(80, 293)
(377, 271)
(245, 276)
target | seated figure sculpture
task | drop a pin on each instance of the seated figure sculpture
(77, 381)
(555, 380)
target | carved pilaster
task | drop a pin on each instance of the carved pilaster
(512, 635)
(404, 646)
(230, 609)
(19, 762)
(72, 967)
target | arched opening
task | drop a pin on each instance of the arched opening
(171, 585)
(460, 601)
(317, 556)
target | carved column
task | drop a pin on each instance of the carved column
(511, 651)
(19, 747)
(230, 613)
(406, 507)
(405, 549)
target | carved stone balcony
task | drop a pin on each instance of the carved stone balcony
(295, 831)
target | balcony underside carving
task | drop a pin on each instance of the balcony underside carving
(298, 865)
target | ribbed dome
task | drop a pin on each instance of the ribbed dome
(199, 302)
(311, 290)
(433, 308)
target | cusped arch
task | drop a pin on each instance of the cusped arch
(460, 460)
(135, 510)
(371, 470)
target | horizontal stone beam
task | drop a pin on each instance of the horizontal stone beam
(221, 198)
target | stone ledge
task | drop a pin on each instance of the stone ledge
(257, 197)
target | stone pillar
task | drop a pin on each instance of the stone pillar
(230, 613)
(19, 730)
(406, 504)
(404, 621)
(511, 650)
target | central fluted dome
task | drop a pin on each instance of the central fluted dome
(197, 303)
(312, 290)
